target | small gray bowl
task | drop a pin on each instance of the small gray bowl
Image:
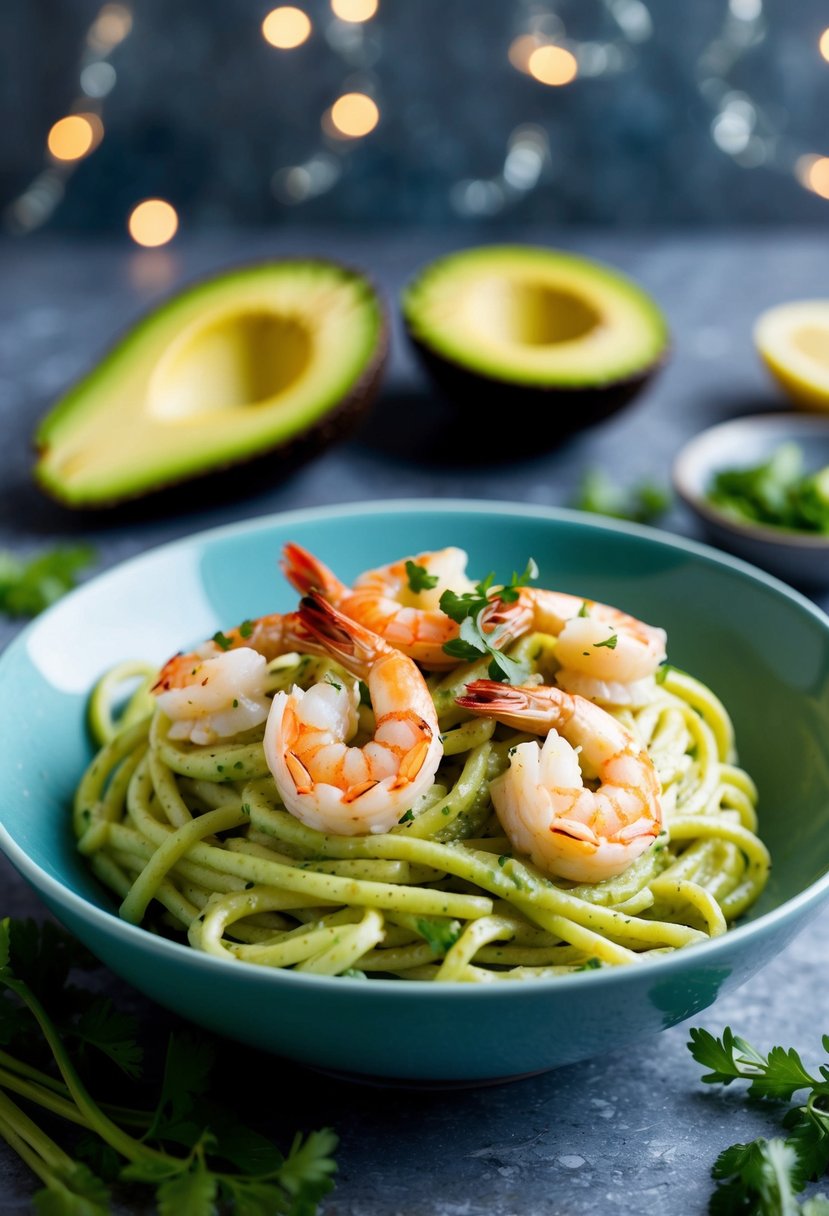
(798, 557)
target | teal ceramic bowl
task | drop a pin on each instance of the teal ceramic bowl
(762, 647)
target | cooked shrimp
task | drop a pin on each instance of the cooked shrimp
(384, 602)
(218, 689)
(325, 783)
(604, 653)
(544, 807)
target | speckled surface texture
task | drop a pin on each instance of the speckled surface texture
(633, 1132)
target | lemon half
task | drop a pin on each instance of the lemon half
(793, 340)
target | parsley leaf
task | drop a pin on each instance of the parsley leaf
(777, 492)
(123, 1144)
(190, 1194)
(474, 641)
(439, 933)
(610, 643)
(763, 1177)
(419, 578)
(599, 495)
(27, 587)
(470, 603)
(222, 641)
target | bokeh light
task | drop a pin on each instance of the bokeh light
(352, 116)
(111, 26)
(823, 45)
(553, 65)
(152, 222)
(286, 27)
(73, 137)
(354, 10)
(520, 50)
(813, 173)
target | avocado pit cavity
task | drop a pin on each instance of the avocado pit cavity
(232, 362)
(529, 313)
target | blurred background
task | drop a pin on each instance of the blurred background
(618, 113)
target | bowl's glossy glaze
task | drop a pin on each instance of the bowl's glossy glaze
(762, 647)
(798, 557)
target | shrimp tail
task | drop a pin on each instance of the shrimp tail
(535, 707)
(513, 619)
(307, 573)
(353, 645)
(490, 697)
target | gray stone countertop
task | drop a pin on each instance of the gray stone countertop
(633, 1132)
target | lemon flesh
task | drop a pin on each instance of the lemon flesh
(793, 340)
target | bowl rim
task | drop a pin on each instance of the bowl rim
(702, 954)
(687, 459)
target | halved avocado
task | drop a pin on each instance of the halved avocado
(515, 326)
(280, 357)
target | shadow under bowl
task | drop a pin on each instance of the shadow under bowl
(762, 647)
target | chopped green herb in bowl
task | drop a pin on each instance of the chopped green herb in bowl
(778, 492)
(760, 488)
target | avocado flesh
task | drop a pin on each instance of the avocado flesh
(244, 363)
(534, 317)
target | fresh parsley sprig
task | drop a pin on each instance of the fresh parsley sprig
(29, 586)
(764, 1177)
(195, 1154)
(474, 640)
(642, 503)
(419, 578)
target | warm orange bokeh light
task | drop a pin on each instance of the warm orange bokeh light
(286, 27)
(352, 115)
(520, 50)
(112, 25)
(816, 176)
(73, 137)
(354, 10)
(552, 65)
(153, 222)
(823, 45)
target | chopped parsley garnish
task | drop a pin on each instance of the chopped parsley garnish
(610, 642)
(440, 934)
(474, 641)
(246, 629)
(599, 495)
(777, 493)
(329, 679)
(408, 817)
(419, 578)
(29, 586)
(222, 641)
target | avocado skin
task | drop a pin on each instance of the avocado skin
(564, 411)
(246, 473)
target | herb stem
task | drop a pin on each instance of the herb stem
(118, 1139)
(28, 1131)
(41, 1096)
